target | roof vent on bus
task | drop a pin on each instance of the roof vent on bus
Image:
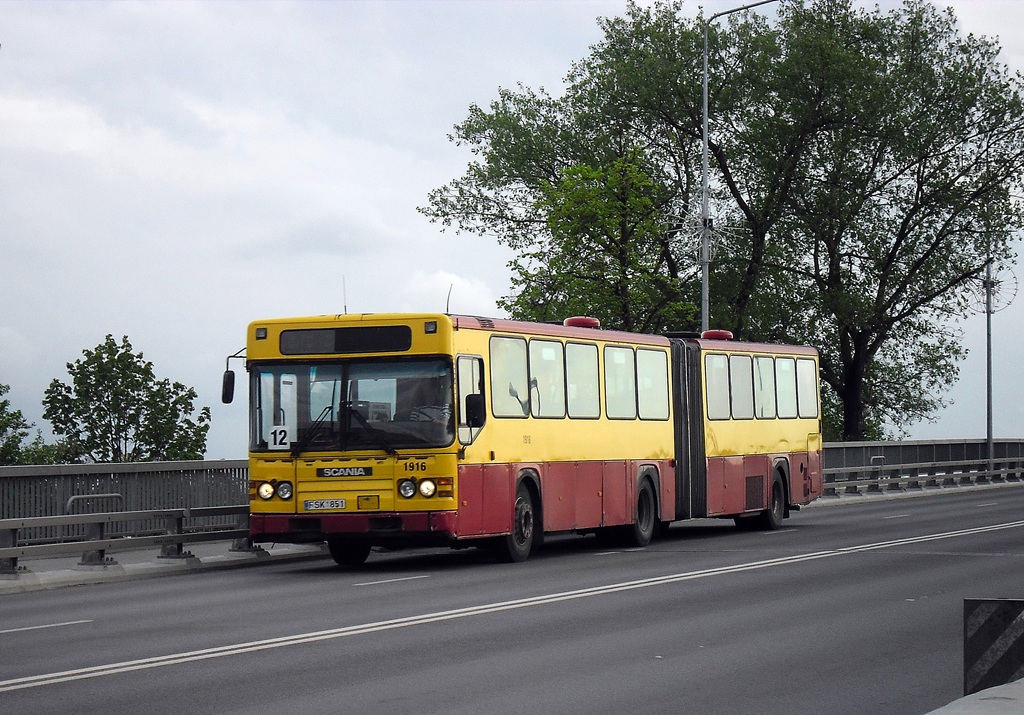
(581, 321)
(717, 335)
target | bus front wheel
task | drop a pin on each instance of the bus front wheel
(346, 552)
(516, 546)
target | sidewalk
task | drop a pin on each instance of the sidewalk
(39, 574)
(1002, 700)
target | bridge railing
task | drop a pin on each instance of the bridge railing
(94, 508)
(69, 489)
(873, 467)
(881, 477)
(179, 527)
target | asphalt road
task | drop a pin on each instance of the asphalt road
(850, 608)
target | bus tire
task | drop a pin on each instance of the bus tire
(516, 547)
(639, 533)
(347, 552)
(771, 518)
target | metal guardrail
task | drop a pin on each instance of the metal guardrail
(67, 489)
(94, 547)
(862, 454)
(881, 477)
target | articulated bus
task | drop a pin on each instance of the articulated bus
(436, 429)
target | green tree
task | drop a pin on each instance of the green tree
(14, 430)
(864, 165)
(606, 253)
(116, 410)
(579, 192)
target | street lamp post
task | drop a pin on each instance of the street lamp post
(705, 218)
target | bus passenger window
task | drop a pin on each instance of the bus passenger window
(716, 385)
(547, 385)
(807, 388)
(620, 383)
(764, 388)
(741, 383)
(510, 386)
(652, 384)
(785, 383)
(581, 372)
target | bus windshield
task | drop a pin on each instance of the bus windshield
(340, 406)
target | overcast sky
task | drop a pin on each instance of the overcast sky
(171, 171)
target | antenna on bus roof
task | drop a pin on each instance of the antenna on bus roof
(344, 296)
(448, 302)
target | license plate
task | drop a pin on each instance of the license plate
(320, 504)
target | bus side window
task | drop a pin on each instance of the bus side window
(510, 382)
(741, 383)
(581, 372)
(547, 368)
(806, 388)
(785, 385)
(716, 385)
(471, 397)
(619, 383)
(652, 384)
(764, 388)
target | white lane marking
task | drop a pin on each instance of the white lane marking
(391, 580)
(991, 503)
(45, 625)
(895, 516)
(379, 626)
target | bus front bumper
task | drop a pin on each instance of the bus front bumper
(438, 527)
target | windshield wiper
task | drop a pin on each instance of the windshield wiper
(300, 446)
(381, 439)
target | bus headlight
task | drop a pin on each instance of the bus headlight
(428, 488)
(265, 490)
(407, 488)
(284, 490)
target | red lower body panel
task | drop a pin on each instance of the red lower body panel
(577, 496)
(741, 484)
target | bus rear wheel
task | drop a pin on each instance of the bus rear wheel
(516, 547)
(347, 552)
(771, 518)
(640, 532)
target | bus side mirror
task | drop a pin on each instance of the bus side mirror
(227, 390)
(476, 411)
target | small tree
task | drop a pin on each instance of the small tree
(116, 410)
(13, 430)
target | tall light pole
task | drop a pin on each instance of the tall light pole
(705, 218)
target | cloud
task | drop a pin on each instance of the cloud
(173, 171)
(16, 351)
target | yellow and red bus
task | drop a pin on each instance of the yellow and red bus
(391, 429)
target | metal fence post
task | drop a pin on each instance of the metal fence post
(244, 544)
(96, 531)
(8, 539)
(175, 550)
